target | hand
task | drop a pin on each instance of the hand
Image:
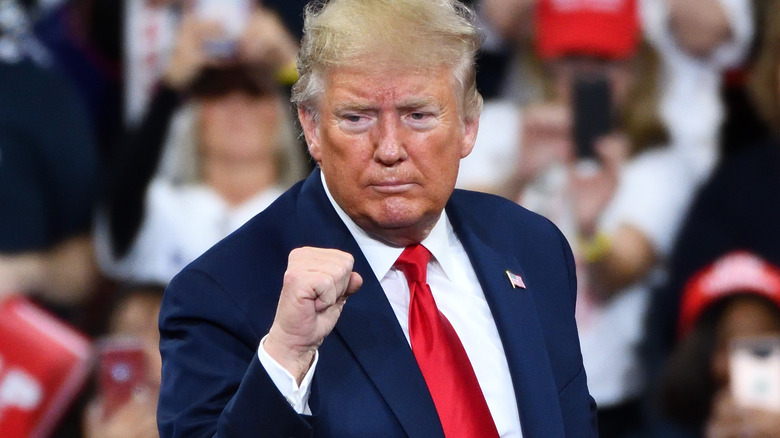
(728, 420)
(17, 273)
(64, 274)
(189, 55)
(545, 140)
(135, 419)
(592, 190)
(9, 283)
(266, 41)
(316, 285)
(699, 26)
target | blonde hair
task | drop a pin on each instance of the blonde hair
(641, 119)
(181, 161)
(416, 34)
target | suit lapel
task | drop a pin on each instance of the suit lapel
(367, 324)
(518, 326)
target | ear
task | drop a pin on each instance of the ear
(309, 126)
(470, 128)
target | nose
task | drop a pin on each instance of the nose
(389, 147)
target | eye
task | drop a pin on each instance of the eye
(421, 120)
(354, 122)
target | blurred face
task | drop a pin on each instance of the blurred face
(743, 318)
(238, 126)
(389, 144)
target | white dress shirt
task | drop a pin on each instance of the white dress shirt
(458, 296)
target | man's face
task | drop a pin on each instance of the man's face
(389, 143)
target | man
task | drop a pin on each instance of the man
(369, 337)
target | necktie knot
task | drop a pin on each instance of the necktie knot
(413, 262)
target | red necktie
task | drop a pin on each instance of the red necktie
(443, 361)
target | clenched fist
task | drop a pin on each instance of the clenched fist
(316, 286)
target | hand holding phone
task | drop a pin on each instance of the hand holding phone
(592, 108)
(122, 371)
(755, 372)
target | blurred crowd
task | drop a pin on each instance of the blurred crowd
(135, 134)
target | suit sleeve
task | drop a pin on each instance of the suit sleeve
(213, 384)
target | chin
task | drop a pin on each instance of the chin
(410, 222)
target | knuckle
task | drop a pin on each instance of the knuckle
(322, 282)
(290, 276)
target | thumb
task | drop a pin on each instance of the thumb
(93, 416)
(355, 281)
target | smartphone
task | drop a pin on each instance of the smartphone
(755, 372)
(122, 370)
(592, 108)
(232, 15)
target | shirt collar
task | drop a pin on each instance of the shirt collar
(382, 256)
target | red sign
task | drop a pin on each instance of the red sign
(43, 365)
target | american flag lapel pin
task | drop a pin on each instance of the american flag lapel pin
(516, 280)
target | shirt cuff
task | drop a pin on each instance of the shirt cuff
(296, 395)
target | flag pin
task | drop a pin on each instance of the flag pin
(515, 280)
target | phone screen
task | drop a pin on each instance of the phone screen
(592, 105)
(755, 372)
(121, 371)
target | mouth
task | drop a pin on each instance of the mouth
(391, 187)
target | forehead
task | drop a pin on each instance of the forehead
(382, 85)
(749, 315)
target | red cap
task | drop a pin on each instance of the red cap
(733, 274)
(603, 28)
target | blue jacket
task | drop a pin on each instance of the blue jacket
(367, 382)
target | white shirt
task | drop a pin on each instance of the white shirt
(691, 105)
(494, 157)
(458, 296)
(181, 221)
(655, 190)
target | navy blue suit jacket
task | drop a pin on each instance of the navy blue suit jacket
(367, 383)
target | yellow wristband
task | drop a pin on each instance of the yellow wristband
(595, 248)
(288, 74)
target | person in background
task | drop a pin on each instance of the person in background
(737, 298)
(697, 41)
(621, 206)
(48, 173)
(83, 39)
(738, 208)
(132, 318)
(197, 169)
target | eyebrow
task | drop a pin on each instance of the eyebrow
(354, 106)
(417, 102)
(406, 105)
